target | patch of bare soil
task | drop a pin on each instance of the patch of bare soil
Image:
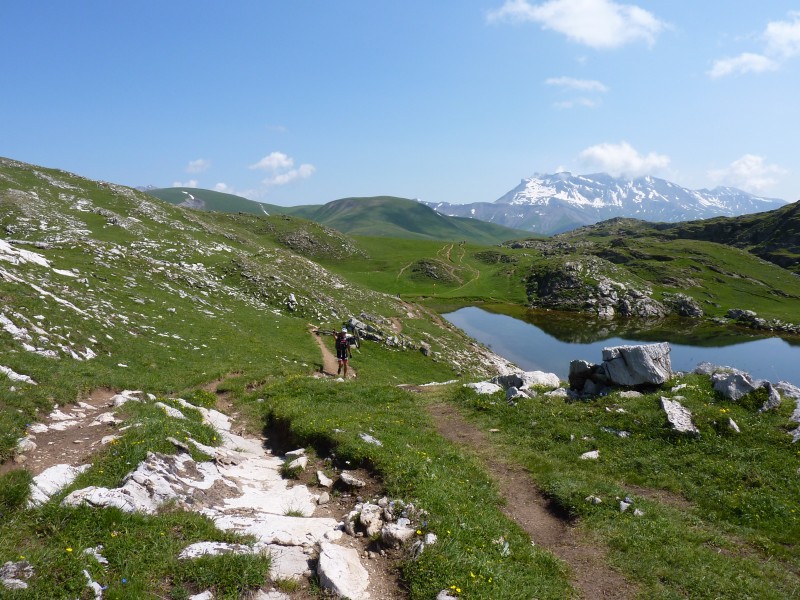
(75, 443)
(591, 575)
(662, 496)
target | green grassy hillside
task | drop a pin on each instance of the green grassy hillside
(388, 216)
(105, 288)
(384, 216)
(216, 201)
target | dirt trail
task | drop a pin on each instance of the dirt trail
(73, 434)
(526, 504)
(330, 363)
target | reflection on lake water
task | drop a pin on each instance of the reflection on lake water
(542, 341)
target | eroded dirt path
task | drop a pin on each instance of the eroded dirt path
(330, 364)
(526, 504)
(68, 435)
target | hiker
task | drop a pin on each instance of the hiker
(343, 351)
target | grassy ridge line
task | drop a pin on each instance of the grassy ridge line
(385, 216)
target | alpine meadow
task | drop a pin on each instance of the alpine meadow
(158, 362)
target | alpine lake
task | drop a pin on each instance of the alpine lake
(538, 340)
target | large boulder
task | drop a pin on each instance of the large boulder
(638, 365)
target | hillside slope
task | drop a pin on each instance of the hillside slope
(107, 293)
(385, 216)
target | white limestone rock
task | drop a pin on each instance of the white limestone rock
(51, 481)
(341, 572)
(484, 387)
(679, 417)
(637, 365)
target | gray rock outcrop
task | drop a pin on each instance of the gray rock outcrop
(679, 417)
(636, 365)
(622, 366)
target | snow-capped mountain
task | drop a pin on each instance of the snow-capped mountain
(549, 204)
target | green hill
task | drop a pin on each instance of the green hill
(202, 199)
(384, 216)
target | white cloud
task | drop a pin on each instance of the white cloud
(782, 42)
(594, 23)
(192, 183)
(750, 172)
(198, 166)
(744, 63)
(302, 172)
(783, 37)
(274, 162)
(570, 83)
(282, 167)
(623, 159)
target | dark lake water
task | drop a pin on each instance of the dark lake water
(542, 341)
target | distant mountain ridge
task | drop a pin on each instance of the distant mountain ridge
(381, 216)
(550, 204)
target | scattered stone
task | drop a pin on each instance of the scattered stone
(170, 410)
(678, 416)
(592, 455)
(301, 462)
(774, 399)
(733, 385)
(14, 574)
(733, 426)
(351, 480)
(557, 393)
(526, 379)
(394, 534)
(324, 498)
(294, 454)
(369, 439)
(623, 506)
(593, 499)
(793, 392)
(484, 387)
(445, 595)
(638, 513)
(341, 572)
(324, 480)
(371, 519)
(25, 444)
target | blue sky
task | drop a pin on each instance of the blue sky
(298, 102)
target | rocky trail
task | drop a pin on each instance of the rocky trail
(299, 522)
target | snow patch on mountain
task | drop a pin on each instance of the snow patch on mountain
(559, 202)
